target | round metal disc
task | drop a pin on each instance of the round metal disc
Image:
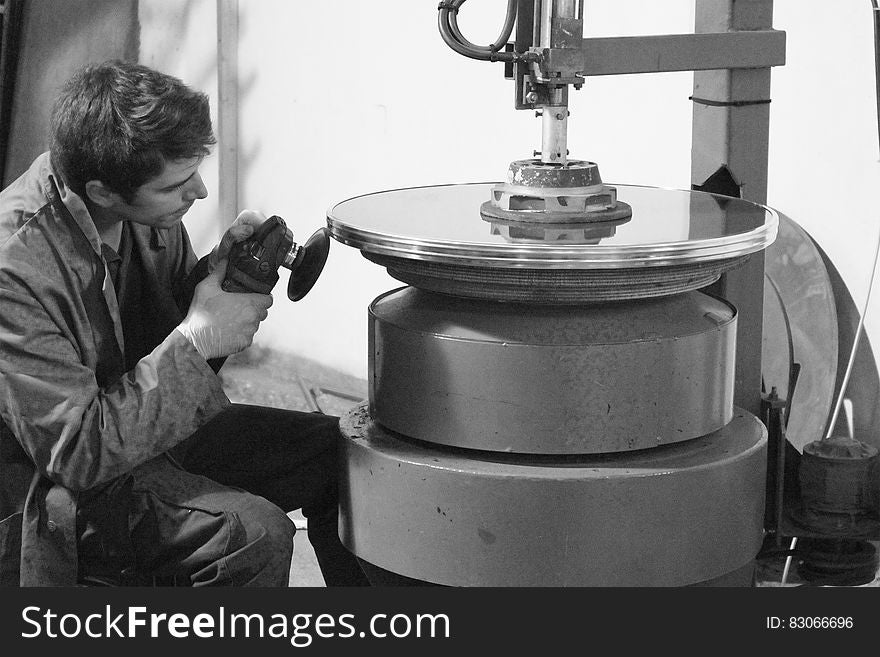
(800, 333)
(306, 272)
(443, 224)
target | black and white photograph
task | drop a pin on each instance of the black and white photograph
(420, 325)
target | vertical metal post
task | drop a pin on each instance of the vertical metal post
(875, 13)
(227, 111)
(554, 135)
(731, 127)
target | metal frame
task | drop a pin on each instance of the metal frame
(734, 132)
(673, 52)
(227, 111)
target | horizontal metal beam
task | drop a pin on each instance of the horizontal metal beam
(671, 52)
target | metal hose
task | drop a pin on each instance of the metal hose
(447, 23)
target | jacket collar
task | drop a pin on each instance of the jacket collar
(58, 192)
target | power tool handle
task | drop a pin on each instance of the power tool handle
(251, 268)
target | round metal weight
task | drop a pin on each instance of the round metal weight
(551, 380)
(671, 516)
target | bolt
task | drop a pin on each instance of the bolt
(560, 116)
(531, 97)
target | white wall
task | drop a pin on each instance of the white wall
(348, 97)
(824, 170)
(179, 37)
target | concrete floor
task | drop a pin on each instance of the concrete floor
(269, 378)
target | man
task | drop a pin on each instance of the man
(120, 457)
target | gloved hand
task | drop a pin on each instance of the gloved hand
(222, 323)
(242, 228)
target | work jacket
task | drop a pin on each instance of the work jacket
(71, 416)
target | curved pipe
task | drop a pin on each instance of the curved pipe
(447, 23)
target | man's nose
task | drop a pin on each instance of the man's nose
(195, 188)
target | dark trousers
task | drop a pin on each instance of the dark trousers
(214, 510)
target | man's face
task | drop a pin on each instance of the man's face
(162, 201)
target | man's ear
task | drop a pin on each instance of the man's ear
(99, 194)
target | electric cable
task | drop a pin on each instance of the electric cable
(498, 44)
(447, 23)
(788, 562)
(875, 5)
(852, 355)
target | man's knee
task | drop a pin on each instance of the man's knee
(271, 526)
(261, 546)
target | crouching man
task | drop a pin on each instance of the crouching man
(119, 452)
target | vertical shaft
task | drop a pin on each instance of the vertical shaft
(554, 135)
(554, 138)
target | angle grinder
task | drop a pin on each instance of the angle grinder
(253, 263)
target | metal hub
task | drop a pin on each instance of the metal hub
(536, 192)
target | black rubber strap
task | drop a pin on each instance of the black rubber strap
(728, 103)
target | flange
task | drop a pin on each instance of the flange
(537, 192)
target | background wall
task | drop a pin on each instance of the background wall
(348, 97)
(179, 37)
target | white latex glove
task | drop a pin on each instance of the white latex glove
(222, 323)
(242, 228)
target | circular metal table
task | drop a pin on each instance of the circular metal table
(436, 238)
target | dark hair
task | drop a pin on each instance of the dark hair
(119, 122)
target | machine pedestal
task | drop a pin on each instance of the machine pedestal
(675, 515)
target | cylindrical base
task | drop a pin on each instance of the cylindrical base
(675, 515)
(551, 380)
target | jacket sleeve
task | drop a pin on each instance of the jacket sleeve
(77, 433)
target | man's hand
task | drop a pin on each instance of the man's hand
(222, 323)
(242, 228)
